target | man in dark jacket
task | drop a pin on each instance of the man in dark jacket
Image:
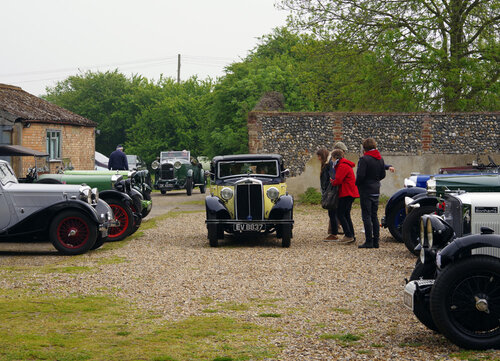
(371, 170)
(118, 159)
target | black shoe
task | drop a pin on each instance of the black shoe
(366, 245)
(375, 243)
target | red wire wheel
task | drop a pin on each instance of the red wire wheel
(124, 215)
(73, 232)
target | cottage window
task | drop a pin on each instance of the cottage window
(54, 144)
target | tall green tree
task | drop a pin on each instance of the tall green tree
(109, 98)
(449, 49)
(176, 121)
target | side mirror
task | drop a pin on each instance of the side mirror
(285, 173)
(155, 165)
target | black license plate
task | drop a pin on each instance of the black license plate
(248, 227)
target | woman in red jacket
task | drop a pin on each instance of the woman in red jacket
(345, 180)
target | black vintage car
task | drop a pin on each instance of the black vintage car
(248, 195)
(455, 286)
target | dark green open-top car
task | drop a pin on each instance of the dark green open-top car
(178, 170)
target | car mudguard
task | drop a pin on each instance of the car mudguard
(469, 246)
(39, 221)
(282, 205)
(115, 194)
(424, 200)
(400, 195)
(215, 208)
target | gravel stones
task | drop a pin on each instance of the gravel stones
(320, 297)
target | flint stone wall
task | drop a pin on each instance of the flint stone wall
(297, 136)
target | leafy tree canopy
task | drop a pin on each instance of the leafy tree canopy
(448, 49)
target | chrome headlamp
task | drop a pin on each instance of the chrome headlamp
(226, 193)
(431, 186)
(155, 165)
(428, 231)
(177, 165)
(86, 194)
(94, 196)
(273, 193)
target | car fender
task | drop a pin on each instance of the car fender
(423, 200)
(470, 246)
(215, 208)
(39, 221)
(109, 194)
(282, 205)
(400, 195)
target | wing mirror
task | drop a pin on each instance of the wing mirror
(285, 173)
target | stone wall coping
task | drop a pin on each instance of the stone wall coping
(369, 113)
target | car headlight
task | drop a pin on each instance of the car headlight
(431, 186)
(273, 193)
(177, 165)
(95, 195)
(226, 193)
(422, 255)
(428, 230)
(422, 231)
(409, 183)
(155, 165)
(86, 194)
(439, 231)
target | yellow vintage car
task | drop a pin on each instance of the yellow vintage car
(248, 195)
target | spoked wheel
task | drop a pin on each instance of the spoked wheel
(124, 215)
(189, 186)
(72, 232)
(422, 311)
(99, 242)
(203, 188)
(395, 220)
(411, 224)
(465, 302)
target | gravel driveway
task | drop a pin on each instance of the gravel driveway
(312, 292)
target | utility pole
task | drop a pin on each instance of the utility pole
(178, 68)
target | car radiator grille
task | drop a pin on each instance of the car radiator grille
(167, 171)
(249, 202)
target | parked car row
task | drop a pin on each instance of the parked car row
(454, 226)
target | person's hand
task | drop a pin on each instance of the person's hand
(392, 169)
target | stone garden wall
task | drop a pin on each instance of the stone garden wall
(407, 139)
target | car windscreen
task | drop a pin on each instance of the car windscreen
(7, 175)
(184, 154)
(265, 168)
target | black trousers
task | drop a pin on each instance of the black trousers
(334, 227)
(344, 215)
(369, 208)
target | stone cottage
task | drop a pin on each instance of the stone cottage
(35, 123)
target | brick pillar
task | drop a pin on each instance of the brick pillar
(254, 134)
(426, 134)
(337, 130)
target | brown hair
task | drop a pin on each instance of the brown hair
(338, 153)
(369, 144)
(323, 154)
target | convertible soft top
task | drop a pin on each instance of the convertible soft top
(19, 150)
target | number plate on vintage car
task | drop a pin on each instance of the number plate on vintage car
(248, 227)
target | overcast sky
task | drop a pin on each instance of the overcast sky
(44, 41)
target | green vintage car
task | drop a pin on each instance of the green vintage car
(126, 202)
(140, 180)
(178, 170)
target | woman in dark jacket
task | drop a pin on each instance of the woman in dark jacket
(345, 180)
(326, 168)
